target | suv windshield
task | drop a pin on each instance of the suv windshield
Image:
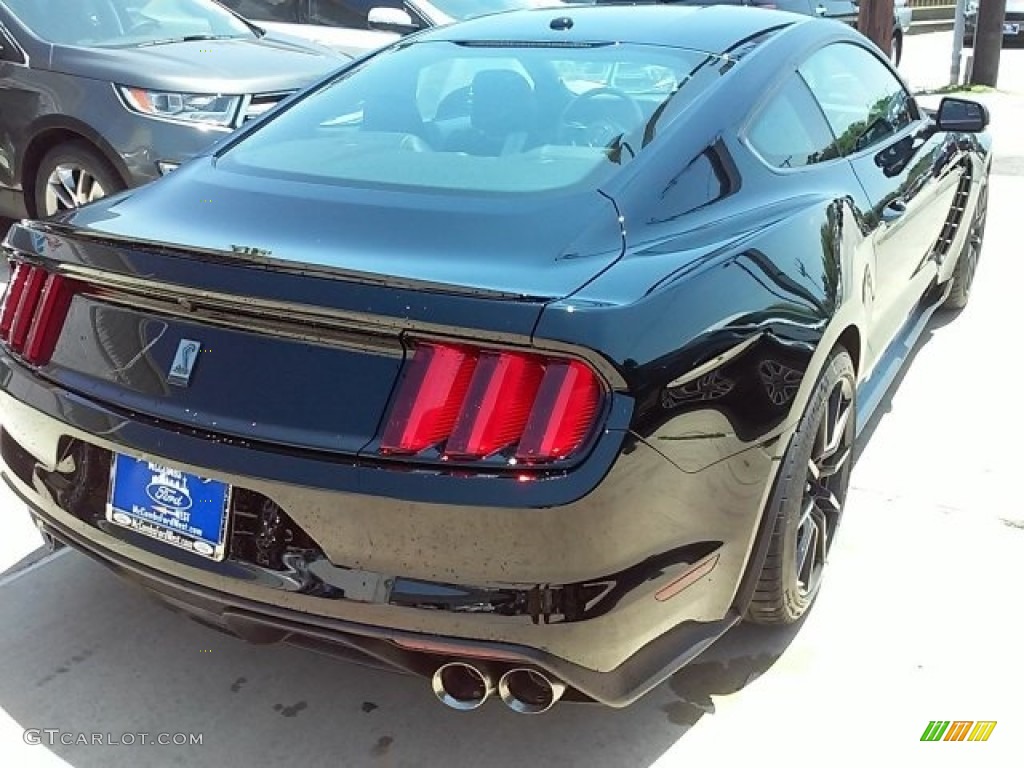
(480, 117)
(123, 23)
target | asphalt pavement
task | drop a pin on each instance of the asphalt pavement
(918, 618)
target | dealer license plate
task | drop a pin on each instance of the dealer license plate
(181, 509)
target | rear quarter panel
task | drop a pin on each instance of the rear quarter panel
(720, 334)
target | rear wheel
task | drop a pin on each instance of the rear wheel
(71, 175)
(967, 261)
(808, 499)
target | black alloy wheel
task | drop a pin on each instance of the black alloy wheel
(807, 503)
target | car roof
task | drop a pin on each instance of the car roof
(712, 29)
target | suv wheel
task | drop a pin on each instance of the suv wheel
(71, 175)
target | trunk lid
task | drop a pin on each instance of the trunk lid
(541, 246)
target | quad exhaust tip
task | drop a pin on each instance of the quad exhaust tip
(529, 692)
(465, 687)
(461, 686)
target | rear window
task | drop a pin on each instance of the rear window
(480, 118)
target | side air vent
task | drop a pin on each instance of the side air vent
(956, 214)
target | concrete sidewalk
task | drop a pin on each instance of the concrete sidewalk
(927, 61)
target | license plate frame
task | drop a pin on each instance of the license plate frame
(181, 509)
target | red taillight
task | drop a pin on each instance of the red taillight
(15, 290)
(478, 402)
(35, 307)
(49, 319)
(27, 303)
(429, 398)
(565, 408)
(497, 404)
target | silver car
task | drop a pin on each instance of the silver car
(355, 27)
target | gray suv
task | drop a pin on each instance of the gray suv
(100, 95)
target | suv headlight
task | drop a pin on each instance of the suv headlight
(204, 108)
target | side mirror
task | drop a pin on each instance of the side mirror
(961, 116)
(391, 20)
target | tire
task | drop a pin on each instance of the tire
(807, 511)
(85, 176)
(970, 254)
(896, 54)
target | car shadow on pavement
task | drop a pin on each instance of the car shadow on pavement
(741, 656)
(83, 652)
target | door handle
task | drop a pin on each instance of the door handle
(894, 210)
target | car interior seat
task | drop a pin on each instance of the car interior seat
(391, 111)
(503, 111)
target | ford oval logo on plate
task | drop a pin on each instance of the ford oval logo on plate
(168, 495)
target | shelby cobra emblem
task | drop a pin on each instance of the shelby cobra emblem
(183, 363)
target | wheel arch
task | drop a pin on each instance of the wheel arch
(845, 329)
(53, 132)
(849, 338)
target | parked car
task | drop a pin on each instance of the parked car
(1013, 23)
(846, 11)
(526, 355)
(355, 27)
(100, 95)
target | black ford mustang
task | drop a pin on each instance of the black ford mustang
(526, 355)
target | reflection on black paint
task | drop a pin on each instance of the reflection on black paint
(709, 177)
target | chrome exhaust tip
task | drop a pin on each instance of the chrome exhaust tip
(529, 692)
(461, 686)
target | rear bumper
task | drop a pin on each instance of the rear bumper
(408, 652)
(611, 593)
